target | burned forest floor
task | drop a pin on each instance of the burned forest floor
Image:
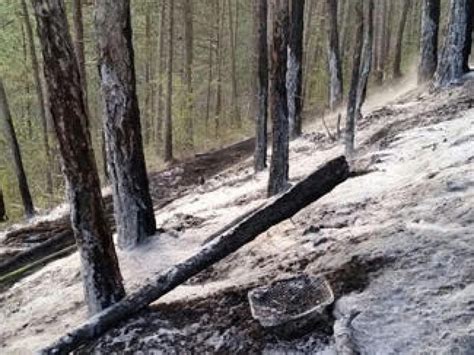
(395, 241)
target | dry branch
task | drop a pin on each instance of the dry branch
(278, 209)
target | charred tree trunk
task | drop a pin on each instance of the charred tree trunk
(429, 40)
(133, 207)
(220, 29)
(468, 42)
(40, 99)
(294, 75)
(356, 64)
(209, 77)
(278, 180)
(102, 279)
(397, 61)
(79, 44)
(235, 117)
(451, 65)
(168, 153)
(188, 39)
(10, 137)
(316, 185)
(379, 65)
(366, 60)
(334, 59)
(260, 159)
(161, 76)
(3, 211)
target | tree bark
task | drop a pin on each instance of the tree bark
(451, 65)
(78, 27)
(260, 159)
(220, 30)
(40, 98)
(366, 60)
(318, 184)
(356, 64)
(397, 61)
(235, 116)
(10, 137)
(278, 179)
(3, 211)
(133, 207)
(188, 39)
(102, 279)
(335, 66)
(209, 75)
(429, 40)
(294, 75)
(468, 42)
(168, 153)
(161, 73)
(147, 117)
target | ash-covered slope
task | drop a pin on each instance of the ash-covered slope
(396, 243)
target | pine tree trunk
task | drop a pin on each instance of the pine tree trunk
(356, 64)
(40, 98)
(147, 107)
(294, 73)
(10, 137)
(220, 30)
(334, 59)
(468, 42)
(209, 78)
(397, 61)
(133, 207)
(451, 65)
(278, 179)
(78, 27)
(429, 40)
(3, 211)
(188, 39)
(345, 27)
(168, 134)
(235, 116)
(161, 73)
(27, 113)
(379, 65)
(101, 274)
(260, 159)
(366, 60)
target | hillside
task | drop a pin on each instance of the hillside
(395, 241)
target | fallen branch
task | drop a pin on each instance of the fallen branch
(278, 209)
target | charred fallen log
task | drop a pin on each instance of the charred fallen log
(278, 209)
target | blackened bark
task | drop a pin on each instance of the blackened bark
(235, 100)
(397, 61)
(188, 39)
(366, 57)
(3, 211)
(260, 159)
(429, 40)
(161, 68)
(78, 26)
(294, 75)
(102, 279)
(356, 64)
(10, 137)
(130, 188)
(168, 134)
(313, 187)
(40, 98)
(334, 59)
(468, 42)
(451, 65)
(278, 180)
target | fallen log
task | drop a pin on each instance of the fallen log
(278, 209)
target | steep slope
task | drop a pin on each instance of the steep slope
(396, 243)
